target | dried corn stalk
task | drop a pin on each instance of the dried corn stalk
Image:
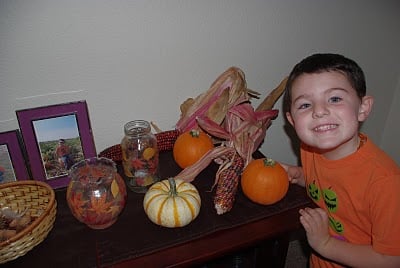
(225, 92)
(272, 97)
(225, 112)
(244, 130)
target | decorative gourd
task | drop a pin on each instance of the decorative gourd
(190, 146)
(172, 203)
(264, 181)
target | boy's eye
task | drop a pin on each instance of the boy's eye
(335, 99)
(304, 106)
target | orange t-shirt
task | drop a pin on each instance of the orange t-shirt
(361, 194)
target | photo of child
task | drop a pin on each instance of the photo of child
(7, 173)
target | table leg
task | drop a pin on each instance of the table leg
(272, 253)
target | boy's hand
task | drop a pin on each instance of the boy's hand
(315, 222)
(295, 174)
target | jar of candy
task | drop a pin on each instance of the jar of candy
(139, 156)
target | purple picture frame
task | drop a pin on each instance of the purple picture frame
(15, 165)
(40, 129)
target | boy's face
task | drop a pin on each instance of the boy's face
(326, 111)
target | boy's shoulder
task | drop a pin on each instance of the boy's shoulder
(369, 156)
(377, 157)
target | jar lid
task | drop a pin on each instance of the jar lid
(137, 127)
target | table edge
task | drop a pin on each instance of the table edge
(210, 246)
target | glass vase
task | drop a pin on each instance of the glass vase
(96, 193)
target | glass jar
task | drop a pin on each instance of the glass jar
(96, 193)
(139, 156)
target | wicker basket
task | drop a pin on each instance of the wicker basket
(39, 199)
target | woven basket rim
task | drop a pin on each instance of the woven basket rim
(38, 220)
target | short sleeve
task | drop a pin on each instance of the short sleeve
(385, 215)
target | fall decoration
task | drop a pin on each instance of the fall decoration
(225, 113)
(27, 215)
(165, 142)
(96, 193)
(264, 181)
(172, 203)
(11, 222)
(190, 146)
(139, 156)
(228, 183)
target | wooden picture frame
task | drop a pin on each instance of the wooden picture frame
(12, 162)
(56, 137)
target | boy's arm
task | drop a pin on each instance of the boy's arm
(315, 222)
(295, 174)
(359, 255)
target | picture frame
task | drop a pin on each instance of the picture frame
(12, 161)
(56, 137)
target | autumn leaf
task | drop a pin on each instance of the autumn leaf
(98, 172)
(114, 210)
(137, 164)
(89, 217)
(77, 202)
(152, 165)
(93, 218)
(103, 218)
(83, 171)
(99, 204)
(140, 181)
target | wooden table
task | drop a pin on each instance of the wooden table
(134, 241)
(268, 237)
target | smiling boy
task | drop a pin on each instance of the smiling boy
(355, 185)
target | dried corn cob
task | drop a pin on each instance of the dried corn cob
(227, 183)
(166, 140)
(114, 153)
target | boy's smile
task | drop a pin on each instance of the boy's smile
(324, 128)
(326, 111)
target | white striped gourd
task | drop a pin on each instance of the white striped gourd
(172, 203)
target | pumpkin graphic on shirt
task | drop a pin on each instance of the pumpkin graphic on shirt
(330, 199)
(313, 191)
(336, 225)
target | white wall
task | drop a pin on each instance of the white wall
(391, 132)
(141, 59)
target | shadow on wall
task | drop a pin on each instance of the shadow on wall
(294, 140)
(291, 133)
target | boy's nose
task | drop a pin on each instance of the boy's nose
(319, 111)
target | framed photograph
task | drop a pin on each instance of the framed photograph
(12, 162)
(56, 137)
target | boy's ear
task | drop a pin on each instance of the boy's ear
(365, 108)
(289, 118)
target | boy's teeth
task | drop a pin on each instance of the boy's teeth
(325, 127)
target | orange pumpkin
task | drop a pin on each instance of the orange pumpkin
(264, 181)
(190, 146)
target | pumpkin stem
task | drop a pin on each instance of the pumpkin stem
(269, 162)
(195, 133)
(172, 187)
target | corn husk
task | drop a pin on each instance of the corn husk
(228, 90)
(226, 114)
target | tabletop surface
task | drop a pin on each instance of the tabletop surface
(134, 236)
